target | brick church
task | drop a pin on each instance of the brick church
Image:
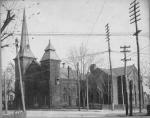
(45, 83)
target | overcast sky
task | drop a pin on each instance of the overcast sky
(80, 16)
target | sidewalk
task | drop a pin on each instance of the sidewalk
(83, 113)
(74, 113)
(121, 113)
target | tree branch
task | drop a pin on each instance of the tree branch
(9, 18)
(8, 35)
(3, 46)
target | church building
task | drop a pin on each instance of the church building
(45, 83)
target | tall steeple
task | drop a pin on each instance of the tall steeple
(25, 50)
(25, 57)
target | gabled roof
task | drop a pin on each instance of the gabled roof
(120, 70)
(25, 50)
(107, 71)
(32, 65)
(50, 53)
(26, 53)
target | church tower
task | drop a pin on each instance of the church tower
(50, 65)
(26, 57)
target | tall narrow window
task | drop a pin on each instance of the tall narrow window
(120, 100)
(135, 95)
(45, 100)
(35, 100)
(65, 95)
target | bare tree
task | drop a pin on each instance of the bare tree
(8, 81)
(81, 55)
(4, 35)
(145, 67)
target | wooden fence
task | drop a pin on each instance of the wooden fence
(15, 114)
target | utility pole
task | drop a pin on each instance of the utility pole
(0, 66)
(5, 89)
(50, 82)
(134, 15)
(20, 76)
(87, 92)
(109, 50)
(125, 74)
(87, 89)
(130, 88)
(69, 97)
(122, 86)
(78, 86)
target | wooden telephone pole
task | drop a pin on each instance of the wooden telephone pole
(49, 81)
(130, 97)
(110, 64)
(134, 11)
(125, 74)
(0, 66)
(20, 76)
(87, 91)
(78, 86)
(5, 89)
(68, 90)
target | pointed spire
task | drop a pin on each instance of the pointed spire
(49, 47)
(50, 53)
(24, 46)
(24, 34)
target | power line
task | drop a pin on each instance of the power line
(79, 34)
(100, 12)
(136, 51)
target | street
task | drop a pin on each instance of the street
(82, 114)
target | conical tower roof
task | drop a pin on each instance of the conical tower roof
(50, 53)
(25, 50)
(49, 47)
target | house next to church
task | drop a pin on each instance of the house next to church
(100, 88)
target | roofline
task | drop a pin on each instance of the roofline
(30, 65)
(50, 59)
(23, 57)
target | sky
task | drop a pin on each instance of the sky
(79, 17)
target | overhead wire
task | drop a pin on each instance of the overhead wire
(103, 52)
(113, 51)
(76, 34)
(136, 51)
(18, 19)
(91, 34)
(97, 18)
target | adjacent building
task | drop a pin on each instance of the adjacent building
(102, 86)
